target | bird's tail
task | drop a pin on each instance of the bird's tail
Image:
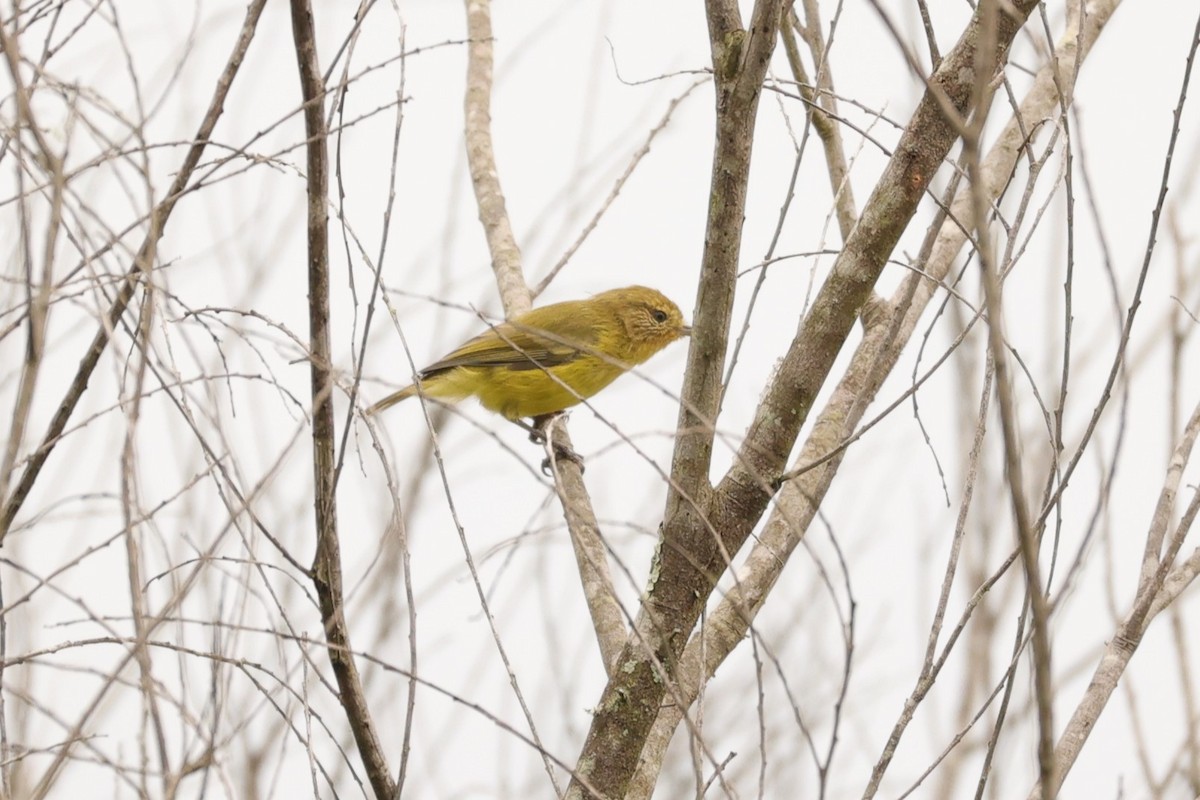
(392, 399)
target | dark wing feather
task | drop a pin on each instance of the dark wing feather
(524, 344)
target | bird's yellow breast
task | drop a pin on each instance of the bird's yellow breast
(533, 392)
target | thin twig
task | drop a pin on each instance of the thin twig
(158, 220)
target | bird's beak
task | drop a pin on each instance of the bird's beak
(686, 330)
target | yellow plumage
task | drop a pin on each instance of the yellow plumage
(550, 358)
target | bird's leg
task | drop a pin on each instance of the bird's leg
(540, 433)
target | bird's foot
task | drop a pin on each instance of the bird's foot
(539, 432)
(539, 426)
(536, 428)
(561, 453)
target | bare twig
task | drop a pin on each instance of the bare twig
(1156, 591)
(1155, 587)
(822, 110)
(129, 284)
(39, 302)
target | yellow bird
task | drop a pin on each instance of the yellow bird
(551, 358)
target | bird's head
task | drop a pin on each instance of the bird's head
(650, 321)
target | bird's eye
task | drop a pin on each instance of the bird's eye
(658, 315)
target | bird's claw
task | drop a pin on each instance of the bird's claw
(561, 453)
(539, 433)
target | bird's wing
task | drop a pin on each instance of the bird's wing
(522, 345)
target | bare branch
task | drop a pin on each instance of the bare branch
(801, 495)
(481, 156)
(327, 561)
(631, 699)
(607, 615)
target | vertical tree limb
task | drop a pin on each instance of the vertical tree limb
(740, 58)
(1028, 537)
(632, 698)
(327, 565)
